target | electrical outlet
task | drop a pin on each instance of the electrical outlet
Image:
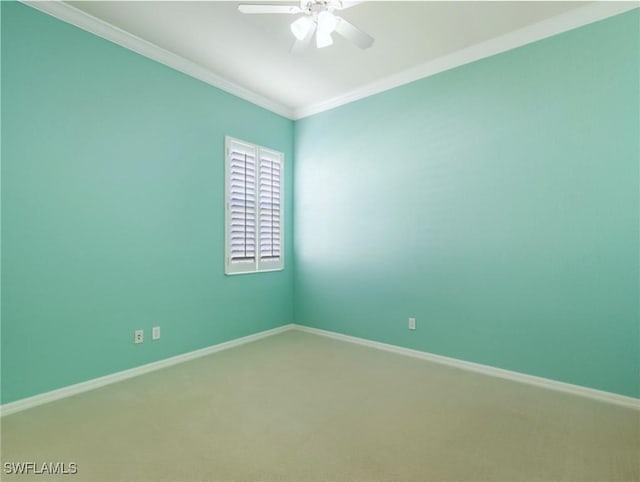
(155, 333)
(412, 323)
(138, 336)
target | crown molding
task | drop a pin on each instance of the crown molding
(579, 17)
(94, 25)
(531, 33)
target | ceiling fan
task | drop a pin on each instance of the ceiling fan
(318, 18)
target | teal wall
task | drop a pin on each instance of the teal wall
(112, 209)
(497, 203)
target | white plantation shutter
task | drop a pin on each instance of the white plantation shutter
(270, 209)
(241, 206)
(253, 208)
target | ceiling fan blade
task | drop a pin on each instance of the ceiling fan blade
(357, 36)
(300, 45)
(253, 8)
(344, 5)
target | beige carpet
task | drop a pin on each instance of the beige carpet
(300, 407)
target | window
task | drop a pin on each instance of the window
(254, 208)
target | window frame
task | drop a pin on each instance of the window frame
(258, 265)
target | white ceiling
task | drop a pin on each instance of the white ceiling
(252, 51)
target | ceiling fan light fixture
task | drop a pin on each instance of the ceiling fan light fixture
(302, 27)
(317, 18)
(327, 23)
(323, 40)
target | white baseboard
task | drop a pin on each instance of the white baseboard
(25, 403)
(600, 395)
